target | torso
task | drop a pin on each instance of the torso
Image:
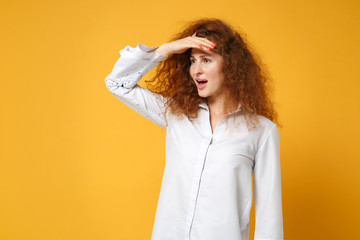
(209, 167)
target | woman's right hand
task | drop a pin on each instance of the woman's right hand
(181, 45)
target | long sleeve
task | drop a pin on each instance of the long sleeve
(267, 189)
(127, 72)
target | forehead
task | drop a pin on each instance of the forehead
(200, 53)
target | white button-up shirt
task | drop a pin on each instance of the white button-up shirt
(206, 190)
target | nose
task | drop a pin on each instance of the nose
(197, 69)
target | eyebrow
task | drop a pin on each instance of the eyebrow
(204, 55)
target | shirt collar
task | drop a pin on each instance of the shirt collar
(204, 105)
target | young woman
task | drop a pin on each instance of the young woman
(211, 95)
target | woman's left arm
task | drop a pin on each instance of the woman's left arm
(267, 189)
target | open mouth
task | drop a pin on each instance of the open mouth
(201, 83)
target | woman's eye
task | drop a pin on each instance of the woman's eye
(206, 60)
(192, 61)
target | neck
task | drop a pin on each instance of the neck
(218, 106)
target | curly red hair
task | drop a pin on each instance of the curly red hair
(246, 77)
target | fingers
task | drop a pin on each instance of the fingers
(181, 45)
(202, 43)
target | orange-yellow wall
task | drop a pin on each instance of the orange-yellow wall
(76, 163)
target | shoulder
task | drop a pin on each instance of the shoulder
(264, 129)
(265, 124)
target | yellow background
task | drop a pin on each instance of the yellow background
(76, 163)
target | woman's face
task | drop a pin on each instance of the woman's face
(206, 71)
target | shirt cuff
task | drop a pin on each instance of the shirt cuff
(143, 52)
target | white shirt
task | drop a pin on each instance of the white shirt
(206, 190)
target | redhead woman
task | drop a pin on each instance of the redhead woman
(212, 96)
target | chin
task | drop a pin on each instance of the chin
(201, 94)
